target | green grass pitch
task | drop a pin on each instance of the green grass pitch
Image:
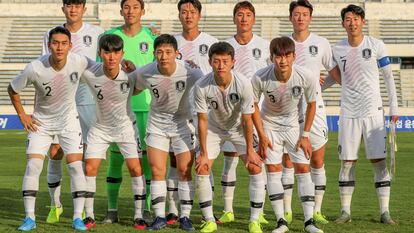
(365, 210)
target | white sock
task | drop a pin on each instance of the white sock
(186, 194)
(256, 189)
(306, 191)
(77, 187)
(346, 185)
(275, 191)
(265, 187)
(158, 193)
(89, 195)
(172, 188)
(139, 191)
(228, 181)
(288, 180)
(30, 185)
(212, 182)
(205, 196)
(382, 185)
(319, 179)
(54, 177)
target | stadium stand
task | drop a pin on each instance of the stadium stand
(21, 37)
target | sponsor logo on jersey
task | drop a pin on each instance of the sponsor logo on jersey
(180, 86)
(257, 53)
(366, 53)
(234, 97)
(203, 49)
(296, 91)
(313, 50)
(179, 56)
(143, 47)
(87, 40)
(124, 87)
(74, 77)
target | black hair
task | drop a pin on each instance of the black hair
(59, 30)
(196, 4)
(357, 10)
(221, 48)
(281, 46)
(243, 4)
(65, 2)
(141, 2)
(165, 39)
(303, 3)
(111, 43)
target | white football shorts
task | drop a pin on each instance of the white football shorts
(352, 130)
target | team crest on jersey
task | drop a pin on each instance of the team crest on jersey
(257, 53)
(74, 77)
(143, 47)
(213, 104)
(180, 86)
(87, 40)
(203, 49)
(124, 87)
(234, 98)
(296, 91)
(366, 53)
(313, 50)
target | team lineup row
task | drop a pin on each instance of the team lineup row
(79, 100)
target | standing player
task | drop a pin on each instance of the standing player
(114, 124)
(169, 125)
(360, 59)
(138, 48)
(229, 96)
(283, 85)
(251, 54)
(193, 46)
(84, 38)
(312, 51)
(55, 77)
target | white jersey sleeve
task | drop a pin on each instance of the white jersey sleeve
(385, 68)
(24, 79)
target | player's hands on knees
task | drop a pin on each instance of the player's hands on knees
(29, 123)
(202, 163)
(394, 118)
(252, 158)
(305, 145)
(264, 143)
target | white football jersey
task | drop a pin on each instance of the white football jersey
(113, 111)
(55, 106)
(315, 53)
(359, 66)
(196, 50)
(279, 109)
(224, 107)
(250, 57)
(170, 109)
(84, 42)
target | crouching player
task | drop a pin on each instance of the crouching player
(282, 85)
(112, 89)
(229, 96)
(55, 77)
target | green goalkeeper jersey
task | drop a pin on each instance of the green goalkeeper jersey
(140, 50)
